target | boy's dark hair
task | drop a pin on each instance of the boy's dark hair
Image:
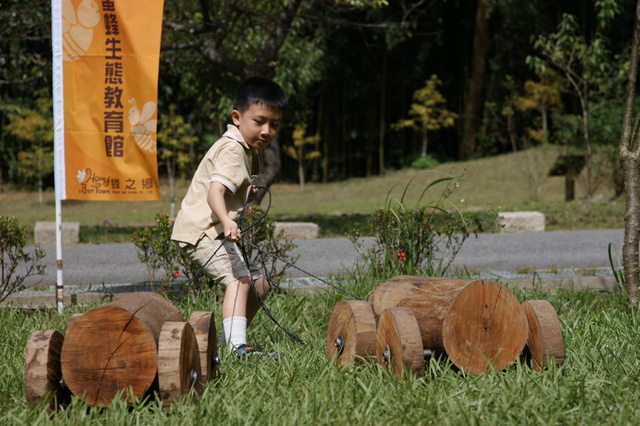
(262, 91)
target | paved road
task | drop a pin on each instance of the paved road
(118, 263)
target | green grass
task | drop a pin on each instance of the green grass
(596, 385)
(509, 182)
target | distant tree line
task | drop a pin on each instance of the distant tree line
(511, 75)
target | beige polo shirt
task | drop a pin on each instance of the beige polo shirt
(229, 161)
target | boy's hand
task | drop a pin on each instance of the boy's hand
(253, 193)
(231, 231)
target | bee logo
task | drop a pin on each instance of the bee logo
(77, 28)
(81, 175)
(143, 125)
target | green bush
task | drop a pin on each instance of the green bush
(157, 251)
(16, 263)
(268, 246)
(424, 162)
(418, 241)
(165, 261)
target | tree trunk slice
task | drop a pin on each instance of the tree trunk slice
(42, 372)
(351, 334)
(204, 326)
(114, 347)
(178, 362)
(545, 342)
(398, 342)
(72, 320)
(476, 323)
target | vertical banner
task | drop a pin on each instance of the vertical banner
(108, 55)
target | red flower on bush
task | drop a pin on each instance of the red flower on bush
(177, 273)
(402, 256)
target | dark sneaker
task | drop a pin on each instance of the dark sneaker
(248, 352)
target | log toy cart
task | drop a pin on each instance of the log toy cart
(137, 344)
(477, 324)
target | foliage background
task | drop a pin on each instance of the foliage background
(351, 69)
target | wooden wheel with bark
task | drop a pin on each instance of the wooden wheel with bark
(351, 335)
(398, 342)
(113, 348)
(478, 324)
(42, 370)
(204, 326)
(178, 361)
(544, 343)
(71, 321)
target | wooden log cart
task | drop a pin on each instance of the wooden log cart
(478, 324)
(134, 346)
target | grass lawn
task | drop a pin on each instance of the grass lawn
(509, 182)
(596, 385)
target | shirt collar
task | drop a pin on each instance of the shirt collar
(234, 133)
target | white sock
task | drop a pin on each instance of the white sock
(235, 330)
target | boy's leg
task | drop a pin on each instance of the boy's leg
(239, 307)
(253, 305)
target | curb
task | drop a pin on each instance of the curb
(579, 283)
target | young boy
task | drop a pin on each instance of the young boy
(205, 227)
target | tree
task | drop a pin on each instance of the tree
(586, 65)
(428, 112)
(543, 96)
(175, 142)
(241, 39)
(304, 148)
(475, 96)
(630, 160)
(35, 126)
(25, 68)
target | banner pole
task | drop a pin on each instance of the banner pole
(59, 275)
(58, 139)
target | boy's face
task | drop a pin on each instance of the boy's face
(258, 125)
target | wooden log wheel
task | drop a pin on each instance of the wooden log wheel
(398, 342)
(114, 347)
(478, 324)
(544, 342)
(205, 330)
(351, 335)
(42, 373)
(179, 367)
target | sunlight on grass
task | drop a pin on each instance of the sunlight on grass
(596, 385)
(517, 181)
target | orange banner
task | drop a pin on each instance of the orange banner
(110, 52)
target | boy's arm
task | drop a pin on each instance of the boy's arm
(218, 206)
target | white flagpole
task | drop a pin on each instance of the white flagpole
(58, 140)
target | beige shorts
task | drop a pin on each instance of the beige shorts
(222, 259)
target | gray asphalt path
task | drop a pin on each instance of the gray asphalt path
(97, 264)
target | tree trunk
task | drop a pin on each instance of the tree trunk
(269, 169)
(383, 102)
(300, 171)
(425, 142)
(475, 98)
(629, 152)
(171, 174)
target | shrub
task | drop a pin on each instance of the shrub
(424, 162)
(268, 249)
(417, 241)
(156, 250)
(16, 263)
